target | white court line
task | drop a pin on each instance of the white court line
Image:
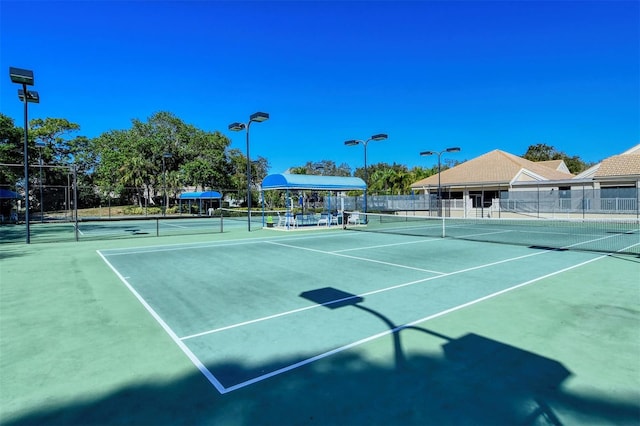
(177, 247)
(188, 224)
(168, 330)
(392, 230)
(494, 231)
(400, 327)
(332, 253)
(484, 233)
(603, 238)
(369, 293)
(491, 230)
(387, 245)
(221, 389)
(180, 226)
(197, 246)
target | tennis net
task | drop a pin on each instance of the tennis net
(258, 215)
(602, 235)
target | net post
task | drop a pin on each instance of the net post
(443, 234)
(157, 227)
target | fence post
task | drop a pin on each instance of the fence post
(75, 199)
(638, 199)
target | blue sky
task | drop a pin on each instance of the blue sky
(481, 75)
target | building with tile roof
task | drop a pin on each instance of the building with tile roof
(497, 179)
(496, 169)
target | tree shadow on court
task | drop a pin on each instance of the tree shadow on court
(17, 233)
(12, 233)
(9, 251)
(471, 380)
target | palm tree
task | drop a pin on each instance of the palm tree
(174, 183)
(134, 173)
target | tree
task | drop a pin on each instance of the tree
(135, 158)
(110, 149)
(133, 173)
(50, 132)
(11, 151)
(540, 152)
(385, 178)
(238, 174)
(543, 152)
(418, 173)
(259, 170)
(174, 183)
(323, 167)
(576, 165)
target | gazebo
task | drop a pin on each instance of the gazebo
(199, 197)
(6, 208)
(288, 182)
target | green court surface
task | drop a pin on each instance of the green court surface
(117, 228)
(329, 327)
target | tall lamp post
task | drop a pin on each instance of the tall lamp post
(25, 78)
(164, 184)
(257, 117)
(439, 154)
(353, 142)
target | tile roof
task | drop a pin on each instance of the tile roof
(558, 165)
(625, 164)
(497, 167)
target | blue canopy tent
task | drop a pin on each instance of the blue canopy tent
(6, 207)
(5, 193)
(199, 196)
(287, 182)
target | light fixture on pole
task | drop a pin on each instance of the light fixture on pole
(164, 184)
(25, 78)
(439, 154)
(353, 142)
(257, 117)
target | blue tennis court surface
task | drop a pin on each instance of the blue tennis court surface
(244, 311)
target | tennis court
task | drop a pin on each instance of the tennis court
(619, 235)
(262, 301)
(341, 327)
(118, 227)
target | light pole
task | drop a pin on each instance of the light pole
(25, 77)
(257, 117)
(439, 154)
(164, 184)
(378, 137)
